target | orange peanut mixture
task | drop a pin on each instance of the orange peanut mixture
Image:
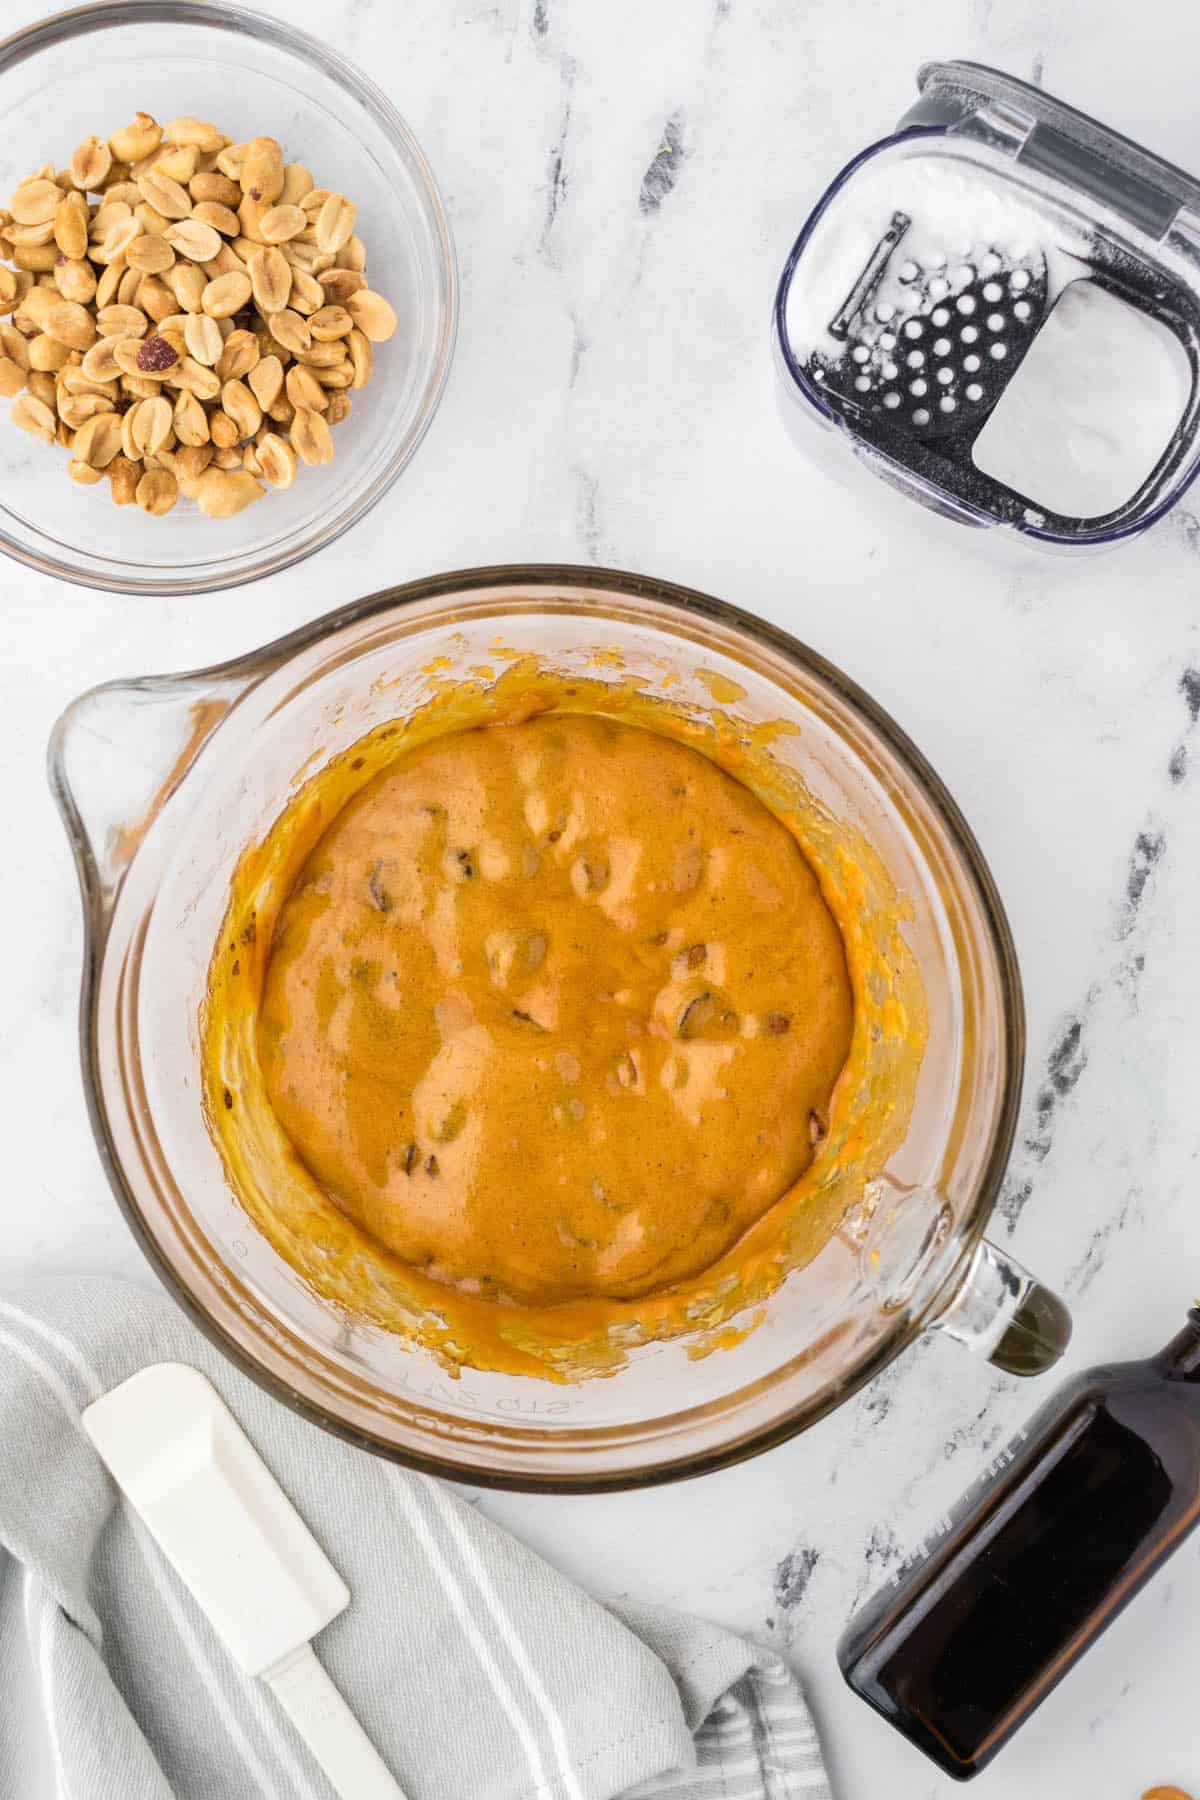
(555, 1009)
(555, 1016)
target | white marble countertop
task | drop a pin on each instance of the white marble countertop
(612, 400)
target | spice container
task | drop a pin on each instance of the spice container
(996, 311)
(1068, 1523)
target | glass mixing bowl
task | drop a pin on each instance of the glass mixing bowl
(89, 71)
(164, 781)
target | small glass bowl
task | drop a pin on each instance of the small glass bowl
(89, 71)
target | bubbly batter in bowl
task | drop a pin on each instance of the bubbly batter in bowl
(555, 1017)
(555, 1009)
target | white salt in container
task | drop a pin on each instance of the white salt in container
(997, 311)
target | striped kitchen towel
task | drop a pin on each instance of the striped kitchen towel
(479, 1672)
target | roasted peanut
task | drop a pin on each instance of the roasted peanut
(220, 493)
(123, 477)
(372, 314)
(226, 295)
(276, 460)
(310, 437)
(90, 165)
(157, 491)
(196, 325)
(271, 279)
(261, 174)
(136, 140)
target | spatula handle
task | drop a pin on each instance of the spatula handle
(330, 1729)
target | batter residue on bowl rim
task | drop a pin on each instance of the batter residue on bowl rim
(538, 1042)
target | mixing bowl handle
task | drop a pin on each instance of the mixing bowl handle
(1004, 1312)
(115, 758)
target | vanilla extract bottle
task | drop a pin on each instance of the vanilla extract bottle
(1037, 1560)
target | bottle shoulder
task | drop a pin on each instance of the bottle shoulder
(1132, 1422)
(1151, 1375)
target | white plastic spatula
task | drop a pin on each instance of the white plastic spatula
(224, 1523)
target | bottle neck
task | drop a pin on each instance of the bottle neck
(1180, 1360)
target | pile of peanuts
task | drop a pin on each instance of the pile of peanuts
(187, 316)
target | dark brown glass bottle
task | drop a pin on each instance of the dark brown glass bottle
(1037, 1560)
